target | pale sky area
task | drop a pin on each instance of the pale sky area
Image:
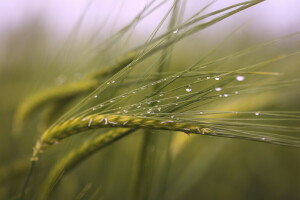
(276, 17)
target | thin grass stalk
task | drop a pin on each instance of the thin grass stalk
(165, 65)
(84, 191)
(144, 173)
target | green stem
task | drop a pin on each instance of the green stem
(27, 180)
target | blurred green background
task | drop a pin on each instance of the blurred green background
(33, 60)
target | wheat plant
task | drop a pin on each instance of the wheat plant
(153, 109)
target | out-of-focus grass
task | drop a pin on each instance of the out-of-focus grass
(201, 167)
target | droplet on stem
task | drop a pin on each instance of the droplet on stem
(240, 78)
(188, 89)
(218, 89)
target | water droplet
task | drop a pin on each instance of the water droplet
(236, 92)
(158, 101)
(101, 105)
(218, 89)
(83, 119)
(138, 106)
(257, 113)
(90, 122)
(94, 108)
(263, 138)
(149, 111)
(108, 83)
(159, 109)
(240, 78)
(96, 96)
(217, 78)
(177, 97)
(111, 100)
(172, 116)
(123, 96)
(161, 94)
(199, 79)
(188, 89)
(125, 111)
(113, 81)
(208, 77)
(220, 95)
(225, 95)
(201, 113)
(175, 31)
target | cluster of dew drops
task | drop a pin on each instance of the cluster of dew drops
(158, 108)
(139, 107)
(130, 93)
(218, 89)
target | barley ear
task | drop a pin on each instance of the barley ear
(56, 94)
(75, 157)
(80, 124)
